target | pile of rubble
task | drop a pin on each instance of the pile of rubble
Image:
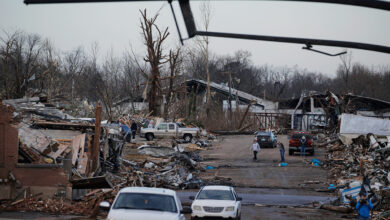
(58, 206)
(49, 137)
(361, 163)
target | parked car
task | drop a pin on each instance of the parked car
(216, 201)
(266, 139)
(169, 130)
(294, 143)
(146, 204)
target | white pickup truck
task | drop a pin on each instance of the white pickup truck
(169, 130)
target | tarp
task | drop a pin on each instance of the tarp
(357, 124)
(352, 192)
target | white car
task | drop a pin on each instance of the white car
(216, 201)
(146, 204)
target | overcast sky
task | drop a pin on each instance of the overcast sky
(116, 25)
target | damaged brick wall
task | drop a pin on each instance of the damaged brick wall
(46, 179)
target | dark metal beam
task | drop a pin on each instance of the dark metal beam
(377, 4)
(188, 17)
(305, 41)
(27, 2)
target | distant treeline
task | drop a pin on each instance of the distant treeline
(31, 66)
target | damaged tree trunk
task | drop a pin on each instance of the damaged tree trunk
(174, 63)
(155, 58)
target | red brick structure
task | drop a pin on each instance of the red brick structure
(49, 179)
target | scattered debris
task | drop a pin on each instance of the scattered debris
(360, 166)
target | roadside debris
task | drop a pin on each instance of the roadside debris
(360, 165)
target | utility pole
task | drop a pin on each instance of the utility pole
(96, 139)
(230, 94)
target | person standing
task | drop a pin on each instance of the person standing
(151, 124)
(364, 206)
(255, 147)
(133, 128)
(282, 150)
(303, 145)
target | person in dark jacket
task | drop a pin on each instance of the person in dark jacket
(364, 206)
(282, 150)
(303, 145)
(133, 128)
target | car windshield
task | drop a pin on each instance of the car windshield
(216, 195)
(146, 201)
(299, 136)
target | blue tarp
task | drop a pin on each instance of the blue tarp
(208, 167)
(316, 162)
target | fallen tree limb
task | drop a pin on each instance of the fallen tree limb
(341, 209)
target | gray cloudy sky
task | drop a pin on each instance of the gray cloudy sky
(116, 25)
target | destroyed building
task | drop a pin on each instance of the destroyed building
(317, 110)
(221, 93)
(73, 157)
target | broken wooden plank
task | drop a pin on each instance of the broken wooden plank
(61, 149)
(98, 182)
(63, 125)
(82, 165)
(77, 142)
(33, 138)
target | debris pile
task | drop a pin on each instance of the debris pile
(361, 164)
(48, 136)
(58, 206)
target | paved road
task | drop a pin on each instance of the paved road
(268, 199)
(276, 190)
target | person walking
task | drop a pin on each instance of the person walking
(133, 128)
(282, 150)
(303, 145)
(364, 206)
(255, 147)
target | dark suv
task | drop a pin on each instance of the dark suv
(266, 139)
(294, 143)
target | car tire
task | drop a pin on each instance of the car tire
(187, 138)
(149, 137)
(290, 152)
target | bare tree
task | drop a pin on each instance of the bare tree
(21, 58)
(203, 44)
(154, 39)
(175, 61)
(109, 90)
(344, 69)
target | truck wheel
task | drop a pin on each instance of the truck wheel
(187, 138)
(290, 152)
(149, 137)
